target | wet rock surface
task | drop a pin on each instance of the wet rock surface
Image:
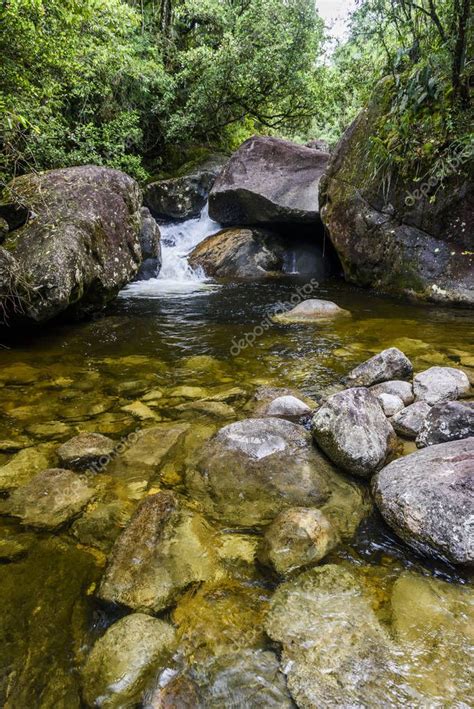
(25, 465)
(150, 245)
(313, 310)
(252, 469)
(351, 428)
(85, 451)
(164, 549)
(428, 497)
(296, 538)
(440, 384)
(50, 500)
(447, 422)
(268, 180)
(383, 367)
(123, 659)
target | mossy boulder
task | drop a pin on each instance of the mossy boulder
(79, 244)
(389, 234)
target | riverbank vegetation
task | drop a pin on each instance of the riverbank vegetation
(146, 84)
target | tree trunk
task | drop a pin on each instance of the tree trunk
(460, 84)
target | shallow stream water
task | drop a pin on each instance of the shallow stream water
(153, 341)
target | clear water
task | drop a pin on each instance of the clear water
(159, 336)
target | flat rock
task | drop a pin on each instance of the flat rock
(122, 660)
(297, 537)
(50, 500)
(409, 421)
(351, 428)
(313, 310)
(86, 450)
(268, 180)
(335, 652)
(396, 387)
(428, 498)
(440, 384)
(25, 465)
(164, 549)
(383, 367)
(251, 470)
(447, 422)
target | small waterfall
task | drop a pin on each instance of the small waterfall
(178, 239)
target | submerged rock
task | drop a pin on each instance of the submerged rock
(251, 470)
(297, 537)
(409, 421)
(440, 384)
(25, 465)
(268, 180)
(352, 430)
(80, 245)
(122, 660)
(313, 310)
(100, 525)
(150, 245)
(447, 422)
(86, 450)
(335, 652)
(428, 497)
(239, 253)
(50, 499)
(383, 367)
(164, 549)
(180, 693)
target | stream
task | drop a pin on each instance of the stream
(174, 344)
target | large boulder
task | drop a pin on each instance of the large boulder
(184, 197)
(239, 252)
(313, 310)
(164, 549)
(122, 660)
(447, 422)
(351, 428)
(251, 470)
(80, 243)
(428, 497)
(269, 181)
(387, 238)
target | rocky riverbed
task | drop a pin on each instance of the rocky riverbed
(186, 526)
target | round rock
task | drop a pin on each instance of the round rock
(396, 387)
(390, 403)
(428, 499)
(439, 384)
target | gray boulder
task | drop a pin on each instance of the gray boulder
(184, 197)
(297, 537)
(428, 497)
(409, 421)
(164, 549)
(312, 310)
(150, 245)
(286, 407)
(383, 367)
(447, 422)
(251, 470)
(390, 403)
(395, 387)
(239, 253)
(80, 245)
(335, 651)
(439, 384)
(390, 235)
(86, 450)
(50, 500)
(268, 181)
(124, 659)
(351, 428)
